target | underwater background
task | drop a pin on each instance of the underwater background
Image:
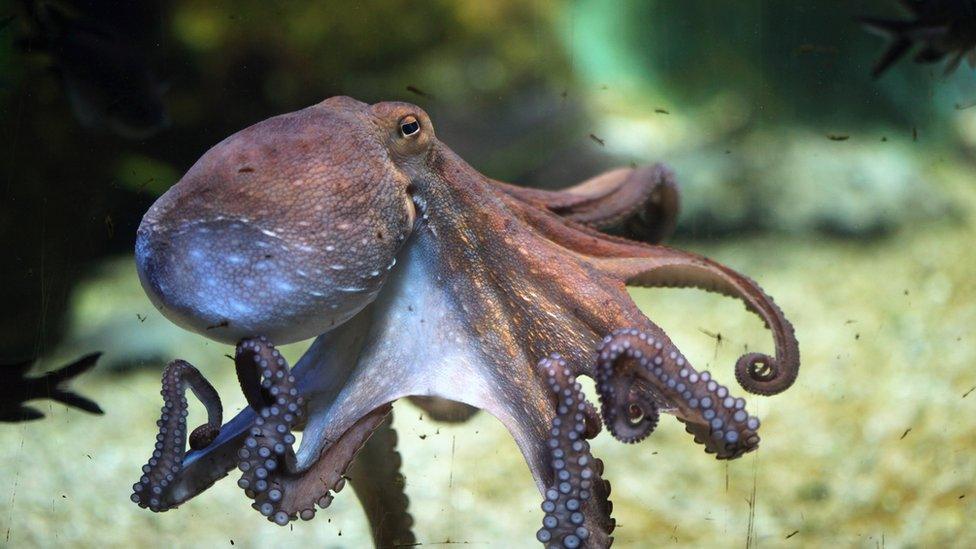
(850, 199)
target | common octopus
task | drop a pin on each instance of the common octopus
(421, 278)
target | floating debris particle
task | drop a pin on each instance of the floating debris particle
(144, 183)
(714, 335)
(418, 91)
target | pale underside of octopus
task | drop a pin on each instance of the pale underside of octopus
(419, 277)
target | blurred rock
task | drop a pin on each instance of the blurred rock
(797, 181)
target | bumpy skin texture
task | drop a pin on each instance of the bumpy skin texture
(578, 486)
(638, 203)
(634, 370)
(280, 490)
(154, 487)
(304, 241)
(452, 286)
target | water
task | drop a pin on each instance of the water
(849, 199)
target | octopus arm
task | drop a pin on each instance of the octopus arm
(259, 441)
(379, 485)
(637, 264)
(639, 371)
(660, 266)
(640, 203)
(281, 490)
(577, 492)
(374, 471)
(168, 479)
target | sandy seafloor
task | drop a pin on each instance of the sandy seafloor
(873, 446)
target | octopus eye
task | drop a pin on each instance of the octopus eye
(409, 126)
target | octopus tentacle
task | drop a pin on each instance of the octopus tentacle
(249, 379)
(591, 417)
(634, 414)
(757, 373)
(593, 423)
(633, 367)
(577, 483)
(637, 264)
(167, 458)
(640, 203)
(379, 485)
(270, 476)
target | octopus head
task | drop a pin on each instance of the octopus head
(289, 227)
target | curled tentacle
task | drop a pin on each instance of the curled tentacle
(249, 378)
(637, 264)
(637, 373)
(757, 373)
(640, 203)
(631, 413)
(167, 458)
(657, 221)
(762, 374)
(577, 482)
(270, 476)
(592, 417)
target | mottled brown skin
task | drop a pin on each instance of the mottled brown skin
(427, 279)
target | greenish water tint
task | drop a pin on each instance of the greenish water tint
(874, 440)
(851, 201)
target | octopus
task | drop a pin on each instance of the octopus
(420, 278)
